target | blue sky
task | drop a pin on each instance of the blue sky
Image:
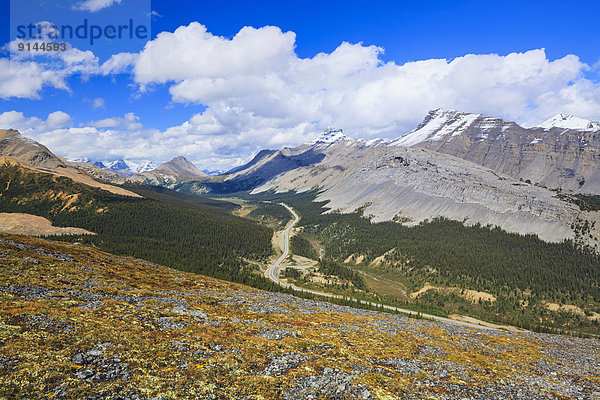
(190, 112)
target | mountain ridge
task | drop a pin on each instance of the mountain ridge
(559, 158)
(389, 181)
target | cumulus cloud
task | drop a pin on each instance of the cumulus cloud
(32, 125)
(258, 93)
(258, 74)
(129, 122)
(94, 5)
(26, 74)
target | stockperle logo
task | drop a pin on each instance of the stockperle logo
(45, 29)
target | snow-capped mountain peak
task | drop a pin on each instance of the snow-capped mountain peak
(567, 121)
(122, 167)
(437, 124)
(329, 136)
(141, 166)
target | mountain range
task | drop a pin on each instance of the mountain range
(126, 168)
(463, 166)
(563, 152)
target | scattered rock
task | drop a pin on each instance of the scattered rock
(282, 363)
(275, 334)
(98, 367)
(170, 323)
(331, 384)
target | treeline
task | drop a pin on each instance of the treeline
(586, 202)
(271, 214)
(186, 232)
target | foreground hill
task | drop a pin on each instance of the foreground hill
(76, 323)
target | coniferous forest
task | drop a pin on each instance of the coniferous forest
(522, 272)
(183, 231)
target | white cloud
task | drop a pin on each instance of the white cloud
(26, 74)
(26, 79)
(58, 119)
(31, 126)
(129, 122)
(98, 102)
(256, 78)
(94, 5)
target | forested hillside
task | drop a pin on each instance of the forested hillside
(183, 231)
(524, 274)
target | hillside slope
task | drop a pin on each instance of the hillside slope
(408, 184)
(76, 323)
(192, 233)
(17, 149)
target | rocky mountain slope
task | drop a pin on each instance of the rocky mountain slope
(30, 152)
(16, 150)
(393, 182)
(563, 152)
(76, 323)
(177, 170)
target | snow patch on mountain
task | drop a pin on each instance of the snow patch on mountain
(570, 122)
(437, 125)
(330, 136)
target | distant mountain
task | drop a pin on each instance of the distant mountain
(395, 182)
(126, 168)
(177, 170)
(213, 171)
(562, 153)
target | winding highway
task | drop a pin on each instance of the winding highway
(273, 274)
(273, 271)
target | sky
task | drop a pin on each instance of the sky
(218, 81)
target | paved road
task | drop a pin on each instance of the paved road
(273, 274)
(273, 271)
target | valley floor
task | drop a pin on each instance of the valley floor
(76, 323)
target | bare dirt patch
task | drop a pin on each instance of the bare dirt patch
(355, 259)
(471, 295)
(33, 225)
(571, 309)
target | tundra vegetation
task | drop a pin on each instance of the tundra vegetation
(79, 323)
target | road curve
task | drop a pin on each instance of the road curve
(273, 271)
(273, 274)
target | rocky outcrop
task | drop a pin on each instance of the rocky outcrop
(27, 151)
